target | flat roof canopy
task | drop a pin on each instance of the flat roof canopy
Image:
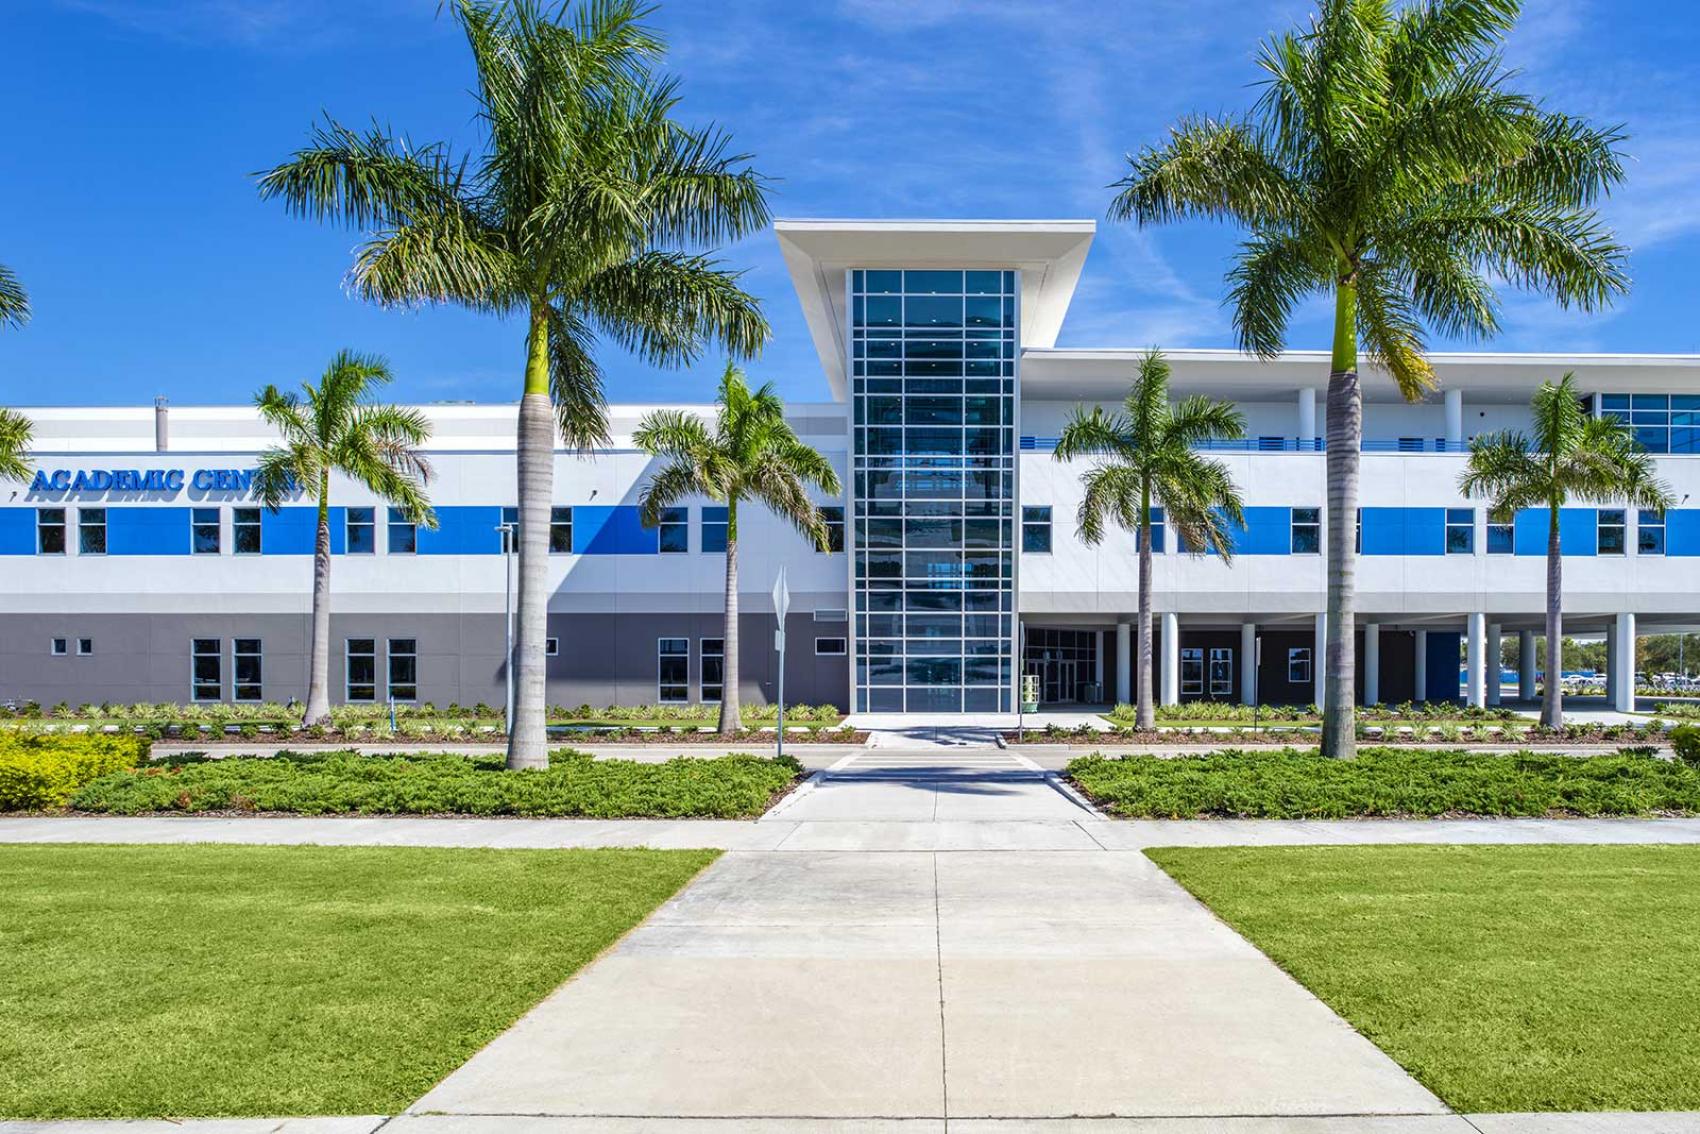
(1049, 254)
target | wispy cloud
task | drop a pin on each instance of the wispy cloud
(292, 25)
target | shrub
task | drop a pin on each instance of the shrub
(1685, 740)
(44, 771)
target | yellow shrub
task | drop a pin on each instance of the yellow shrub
(38, 772)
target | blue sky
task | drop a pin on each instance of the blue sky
(127, 201)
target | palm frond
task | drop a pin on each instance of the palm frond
(16, 434)
(663, 306)
(14, 300)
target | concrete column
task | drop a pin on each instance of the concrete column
(1318, 658)
(1307, 414)
(1473, 651)
(1494, 653)
(1171, 668)
(1372, 663)
(1624, 663)
(1420, 666)
(1611, 663)
(1526, 665)
(1124, 663)
(1454, 419)
(1248, 663)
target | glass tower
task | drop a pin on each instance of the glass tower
(932, 385)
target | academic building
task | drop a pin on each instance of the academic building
(137, 566)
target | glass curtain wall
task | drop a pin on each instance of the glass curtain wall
(933, 374)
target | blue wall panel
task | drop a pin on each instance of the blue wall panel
(1443, 657)
(146, 531)
(612, 530)
(463, 529)
(1384, 531)
(1268, 531)
(1578, 531)
(288, 531)
(1425, 531)
(1682, 531)
(17, 531)
(339, 530)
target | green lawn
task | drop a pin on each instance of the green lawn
(1518, 978)
(206, 980)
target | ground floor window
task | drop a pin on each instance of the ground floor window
(673, 670)
(713, 669)
(1192, 672)
(206, 670)
(830, 647)
(404, 669)
(245, 658)
(1298, 665)
(361, 655)
(1221, 671)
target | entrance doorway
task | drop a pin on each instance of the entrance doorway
(1066, 664)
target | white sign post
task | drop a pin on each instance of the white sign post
(781, 606)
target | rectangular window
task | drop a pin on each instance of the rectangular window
(1501, 538)
(203, 531)
(50, 531)
(833, 516)
(404, 669)
(1156, 533)
(1460, 531)
(245, 659)
(1192, 672)
(362, 531)
(713, 669)
(59, 647)
(1612, 537)
(403, 534)
(206, 670)
(361, 655)
(673, 670)
(91, 531)
(1650, 533)
(510, 530)
(1036, 529)
(1307, 531)
(1221, 671)
(831, 647)
(551, 647)
(1298, 665)
(560, 531)
(245, 531)
(85, 647)
(673, 534)
(713, 529)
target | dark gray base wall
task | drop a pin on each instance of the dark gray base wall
(604, 659)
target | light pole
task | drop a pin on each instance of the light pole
(781, 606)
(510, 536)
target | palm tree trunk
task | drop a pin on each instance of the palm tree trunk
(527, 737)
(1145, 716)
(730, 722)
(1552, 696)
(319, 648)
(1345, 436)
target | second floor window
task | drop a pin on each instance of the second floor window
(203, 531)
(673, 534)
(1460, 531)
(714, 529)
(1501, 538)
(560, 531)
(1036, 529)
(362, 531)
(1307, 531)
(510, 530)
(245, 531)
(91, 531)
(1650, 533)
(50, 531)
(833, 516)
(404, 533)
(1612, 533)
(1156, 530)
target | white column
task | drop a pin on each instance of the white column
(1420, 666)
(1477, 695)
(1611, 663)
(1098, 662)
(1307, 414)
(1526, 665)
(1248, 663)
(1124, 663)
(1318, 658)
(1171, 674)
(1372, 663)
(1454, 419)
(1494, 665)
(1624, 664)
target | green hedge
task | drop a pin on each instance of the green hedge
(1290, 784)
(574, 784)
(39, 772)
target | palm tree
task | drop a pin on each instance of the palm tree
(1150, 462)
(338, 427)
(1389, 167)
(751, 454)
(14, 300)
(16, 432)
(578, 214)
(1569, 456)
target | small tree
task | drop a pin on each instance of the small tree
(339, 428)
(751, 454)
(1150, 461)
(1568, 457)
